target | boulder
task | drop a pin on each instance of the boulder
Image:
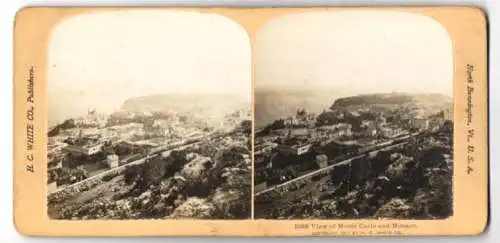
(195, 208)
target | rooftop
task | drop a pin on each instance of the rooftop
(295, 142)
(85, 142)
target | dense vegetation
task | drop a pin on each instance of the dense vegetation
(389, 99)
(413, 182)
(211, 180)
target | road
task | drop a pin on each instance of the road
(344, 162)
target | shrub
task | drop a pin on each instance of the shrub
(109, 177)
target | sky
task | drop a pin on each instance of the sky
(98, 60)
(355, 52)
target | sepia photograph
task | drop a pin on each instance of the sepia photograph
(353, 117)
(250, 122)
(149, 117)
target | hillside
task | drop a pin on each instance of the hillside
(420, 100)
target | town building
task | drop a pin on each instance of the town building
(261, 186)
(369, 129)
(294, 149)
(301, 119)
(390, 131)
(366, 123)
(113, 161)
(436, 123)
(129, 130)
(354, 114)
(128, 144)
(56, 147)
(420, 123)
(265, 147)
(86, 132)
(291, 121)
(322, 160)
(299, 132)
(338, 130)
(52, 186)
(84, 149)
(93, 119)
(259, 159)
(153, 142)
(68, 133)
(381, 120)
(110, 138)
(54, 163)
(448, 114)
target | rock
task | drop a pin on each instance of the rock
(196, 168)
(194, 207)
(395, 208)
(144, 195)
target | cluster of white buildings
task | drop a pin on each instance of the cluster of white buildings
(302, 119)
(298, 148)
(264, 147)
(336, 130)
(93, 118)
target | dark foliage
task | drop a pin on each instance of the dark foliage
(67, 124)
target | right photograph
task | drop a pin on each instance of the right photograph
(353, 117)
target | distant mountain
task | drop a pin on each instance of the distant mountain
(202, 103)
(419, 100)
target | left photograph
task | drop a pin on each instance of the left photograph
(150, 117)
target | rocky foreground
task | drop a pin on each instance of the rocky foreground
(414, 182)
(211, 180)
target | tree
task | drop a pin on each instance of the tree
(132, 173)
(246, 126)
(395, 208)
(175, 162)
(232, 203)
(54, 131)
(327, 118)
(154, 171)
(67, 124)
(448, 126)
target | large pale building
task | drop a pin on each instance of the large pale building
(340, 129)
(390, 132)
(322, 160)
(295, 149)
(448, 114)
(88, 150)
(420, 123)
(113, 161)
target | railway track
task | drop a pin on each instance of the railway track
(143, 159)
(330, 167)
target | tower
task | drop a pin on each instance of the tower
(290, 126)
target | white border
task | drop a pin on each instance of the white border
(7, 13)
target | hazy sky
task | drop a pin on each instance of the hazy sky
(100, 60)
(356, 52)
